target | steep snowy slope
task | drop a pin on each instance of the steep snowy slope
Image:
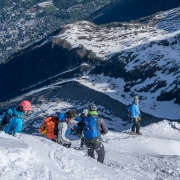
(138, 59)
(61, 96)
(152, 156)
(31, 157)
(118, 59)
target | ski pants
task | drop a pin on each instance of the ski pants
(136, 124)
(99, 148)
(82, 141)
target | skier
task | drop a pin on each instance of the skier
(57, 128)
(78, 128)
(135, 114)
(93, 128)
(11, 122)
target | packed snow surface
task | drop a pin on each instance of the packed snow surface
(154, 155)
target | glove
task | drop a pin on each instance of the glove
(79, 131)
(137, 119)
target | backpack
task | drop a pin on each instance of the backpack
(49, 127)
(129, 110)
(6, 117)
(90, 130)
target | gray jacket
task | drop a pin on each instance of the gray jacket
(101, 125)
(63, 131)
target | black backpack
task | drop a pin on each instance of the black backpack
(7, 118)
(129, 110)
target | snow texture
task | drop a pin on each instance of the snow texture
(153, 155)
(114, 87)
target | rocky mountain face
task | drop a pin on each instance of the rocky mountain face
(146, 56)
(118, 59)
(40, 62)
(127, 10)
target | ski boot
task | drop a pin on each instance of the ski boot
(139, 133)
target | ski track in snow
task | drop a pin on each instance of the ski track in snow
(155, 155)
(51, 78)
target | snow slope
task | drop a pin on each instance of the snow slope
(149, 60)
(114, 87)
(154, 155)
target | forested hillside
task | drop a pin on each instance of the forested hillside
(58, 3)
(65, 3)
(4, 3)
(69, 3)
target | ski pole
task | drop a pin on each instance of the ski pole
(132, 123)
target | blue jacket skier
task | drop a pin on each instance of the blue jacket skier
(11, 122)
(78, 128)
(135, 114)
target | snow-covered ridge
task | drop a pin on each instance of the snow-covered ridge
(168, 20)
(105, 41)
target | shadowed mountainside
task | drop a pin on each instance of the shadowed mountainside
(41, 61)
(77, 95)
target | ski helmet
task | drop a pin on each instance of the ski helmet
(85, 111)
(25, 105)
(136, 97)
(92, 107)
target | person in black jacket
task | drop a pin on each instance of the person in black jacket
(78, 128)
(93, 128)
